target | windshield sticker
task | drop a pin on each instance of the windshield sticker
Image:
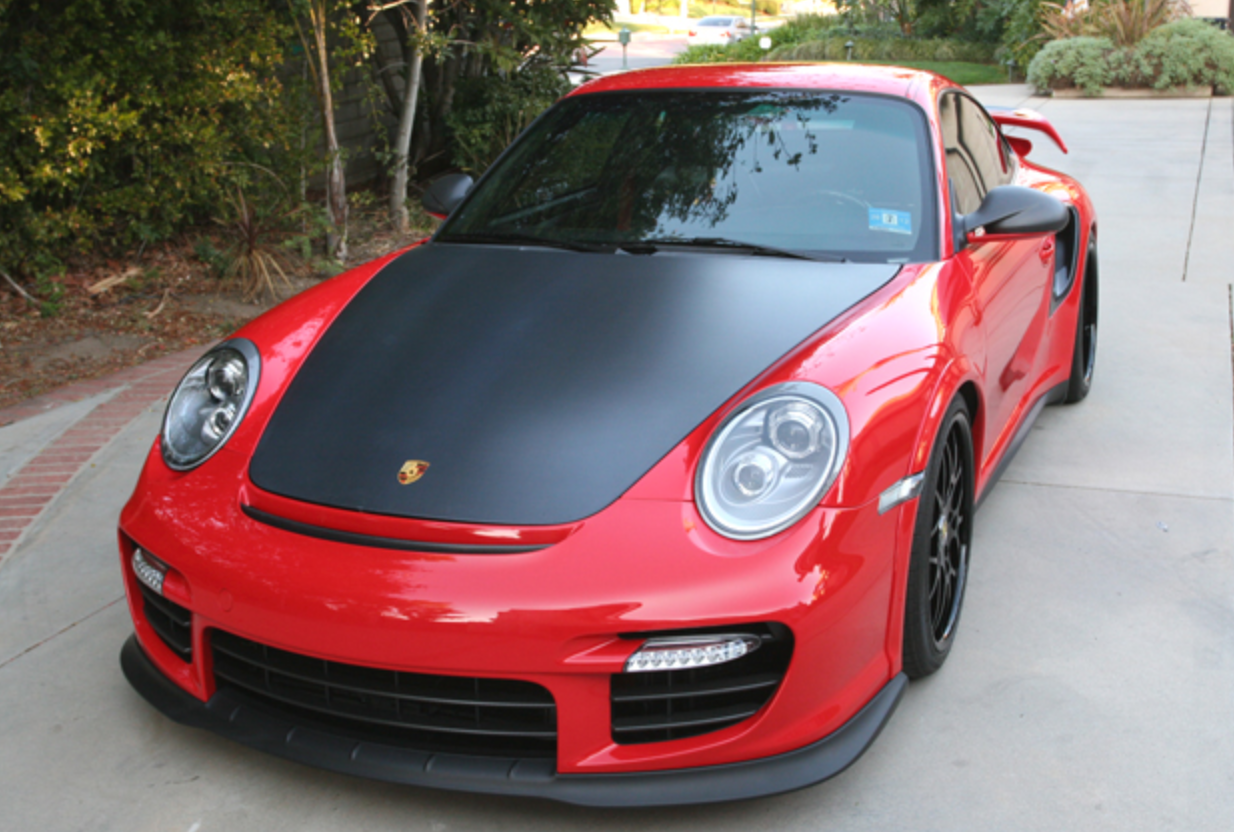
(897, 222)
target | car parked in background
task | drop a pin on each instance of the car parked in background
(718, 30)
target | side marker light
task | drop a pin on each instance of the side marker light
(903, 491)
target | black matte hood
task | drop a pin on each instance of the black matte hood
(538, 384)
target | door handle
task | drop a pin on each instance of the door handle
(1046, 251)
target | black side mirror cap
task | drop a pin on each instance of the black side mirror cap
(446, 194)
(1016, 211)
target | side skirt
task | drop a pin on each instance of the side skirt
(1052, 396)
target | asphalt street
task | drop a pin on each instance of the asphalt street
(1091, 686)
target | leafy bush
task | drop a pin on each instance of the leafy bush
(887, 49)
(1183, 53)
(1021, 36)
(822, 38)
(123, 121)
(490, 111)
(1074, 62)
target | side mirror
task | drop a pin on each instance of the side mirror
(446, 193)
(1010, 211)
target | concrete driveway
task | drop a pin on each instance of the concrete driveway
(1091, 687)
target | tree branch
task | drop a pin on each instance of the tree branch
(17, 288)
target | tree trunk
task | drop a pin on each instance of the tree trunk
(407, 119)
(336, 180)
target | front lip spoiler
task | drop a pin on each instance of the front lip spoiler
(235, 716)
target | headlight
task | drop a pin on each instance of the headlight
(209, 403)
(772, 460)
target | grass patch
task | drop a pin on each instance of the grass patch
(963, 73)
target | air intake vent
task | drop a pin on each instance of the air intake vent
(674, 704)
(453, 714)
(172, 622)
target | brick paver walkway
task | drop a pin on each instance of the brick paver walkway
(36, 484)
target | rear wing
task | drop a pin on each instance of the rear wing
(1030, 119)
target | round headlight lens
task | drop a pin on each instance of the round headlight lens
(772, 460)
(209, 403)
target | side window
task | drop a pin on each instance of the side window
(976, 161)
(980, 134)
(961, 168)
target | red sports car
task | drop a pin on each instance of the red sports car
(651, 477)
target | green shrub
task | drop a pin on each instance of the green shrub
(887, 49)
(1074, 62)
(799, 30)
(490, 111)
(1183, 53)
(1021, 36)
(123, 121)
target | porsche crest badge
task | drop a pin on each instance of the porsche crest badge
(411, 471)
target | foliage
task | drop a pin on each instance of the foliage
(478, 43)
(800, 30)
(1185, 52)
(888, 49)
(488, 115)
(1124, 22)
(263, 237)
(121, 121)
(945, 18)
(1074, 62)
(706, 8)
(1021, 36)
(824, 38)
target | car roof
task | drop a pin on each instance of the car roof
(914, 84)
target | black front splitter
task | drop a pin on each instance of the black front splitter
(233, 715)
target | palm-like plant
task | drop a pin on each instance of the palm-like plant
(255, 256)
(1124, 22)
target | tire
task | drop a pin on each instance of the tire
(938, 567)
(1084, 354)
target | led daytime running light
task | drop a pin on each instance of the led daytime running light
(690, 652)
(147, 572)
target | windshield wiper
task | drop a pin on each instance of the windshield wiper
(735, 245)
(529, 240)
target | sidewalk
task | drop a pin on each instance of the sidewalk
(38, 459)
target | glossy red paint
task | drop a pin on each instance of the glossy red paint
(1031, 120)
(980, 320)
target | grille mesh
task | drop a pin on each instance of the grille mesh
(172, 622)
(674, 704)
(465, 715)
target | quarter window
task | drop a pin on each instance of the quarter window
(976, 158)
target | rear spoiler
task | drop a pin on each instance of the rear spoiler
(1030, 119)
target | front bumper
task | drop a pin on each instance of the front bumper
(230, 714)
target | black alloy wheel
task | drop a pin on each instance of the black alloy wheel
(938, 571)
(1084, 356)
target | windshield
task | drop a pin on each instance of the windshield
(838, 175)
